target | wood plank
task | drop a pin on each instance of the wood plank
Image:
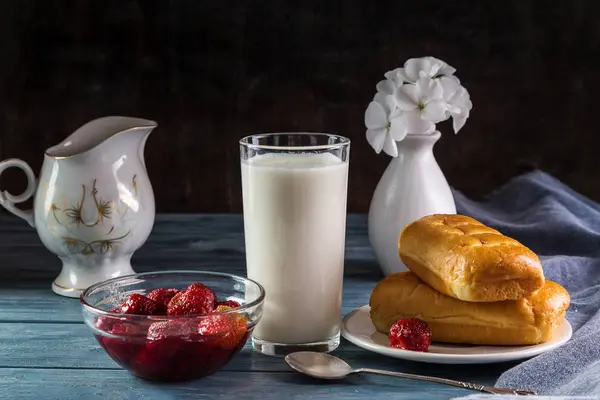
(38, 303)
(66, 384)
(54, 345)
(207, 242)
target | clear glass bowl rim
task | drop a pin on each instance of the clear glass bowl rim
(94, 310)
(342, 141)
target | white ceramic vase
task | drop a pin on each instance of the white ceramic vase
(412, 186)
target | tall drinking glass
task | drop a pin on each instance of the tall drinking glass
(294, 190)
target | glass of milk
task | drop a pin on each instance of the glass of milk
(294, 188)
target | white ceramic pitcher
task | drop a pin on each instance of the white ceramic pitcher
(93, 204)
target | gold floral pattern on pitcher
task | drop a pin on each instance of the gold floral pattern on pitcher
(101, 246)
(74, 213)
(103, 212)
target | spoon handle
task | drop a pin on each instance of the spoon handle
(465, 385)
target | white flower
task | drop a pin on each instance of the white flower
(384, 127)
(458, 101)
(416, 68)
(412, 100)
(422, 104)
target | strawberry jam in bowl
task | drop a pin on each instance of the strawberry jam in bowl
(173, 325)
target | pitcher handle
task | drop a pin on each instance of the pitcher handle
(8, 200)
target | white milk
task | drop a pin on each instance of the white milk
(295, 225)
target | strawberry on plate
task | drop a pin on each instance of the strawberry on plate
(410, 334)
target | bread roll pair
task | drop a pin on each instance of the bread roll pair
(526, 321)
(471, 284)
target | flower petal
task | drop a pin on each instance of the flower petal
(450, 85)
(389, 146)
(388, 102)
(397, 76)
(386, 86)
(434, 111)
(395, 114)
(407, 97)
(439, 67)
(376, 137)
(430, 130)
(461, 99)
(397, 129)
(468, 104)
(430, 89)
(413, 66)
(429, 66)
(391, 75)
(458, 121)
(446, 70)
(415, 124)
(452, 110)
(375, 116)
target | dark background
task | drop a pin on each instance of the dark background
(213, 71)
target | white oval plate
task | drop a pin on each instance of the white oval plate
(358, 329)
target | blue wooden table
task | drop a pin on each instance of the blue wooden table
(46, 352)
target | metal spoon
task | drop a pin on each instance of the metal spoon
(326, 366)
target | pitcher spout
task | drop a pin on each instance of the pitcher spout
(98, 131)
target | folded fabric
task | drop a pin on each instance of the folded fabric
(504, 397)
(563, 228)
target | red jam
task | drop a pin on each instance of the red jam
(177, 349)
(170, 359)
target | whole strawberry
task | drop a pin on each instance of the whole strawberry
(225, 330)
(228, 303)
(192, 301)
(162, 296)
(140, 304)
(183, 329)
(128, 329)
(197, 285)
(410, 334)
(106, 323)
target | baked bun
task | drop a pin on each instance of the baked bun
(465, 259)
(514, 322)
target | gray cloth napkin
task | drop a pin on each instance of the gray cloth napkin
(563, 228)
(503, 397)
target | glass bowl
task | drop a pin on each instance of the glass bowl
(172, 348)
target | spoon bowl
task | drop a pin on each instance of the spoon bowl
(318, 365)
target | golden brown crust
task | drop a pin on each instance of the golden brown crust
(513, 322)
(463, 258)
